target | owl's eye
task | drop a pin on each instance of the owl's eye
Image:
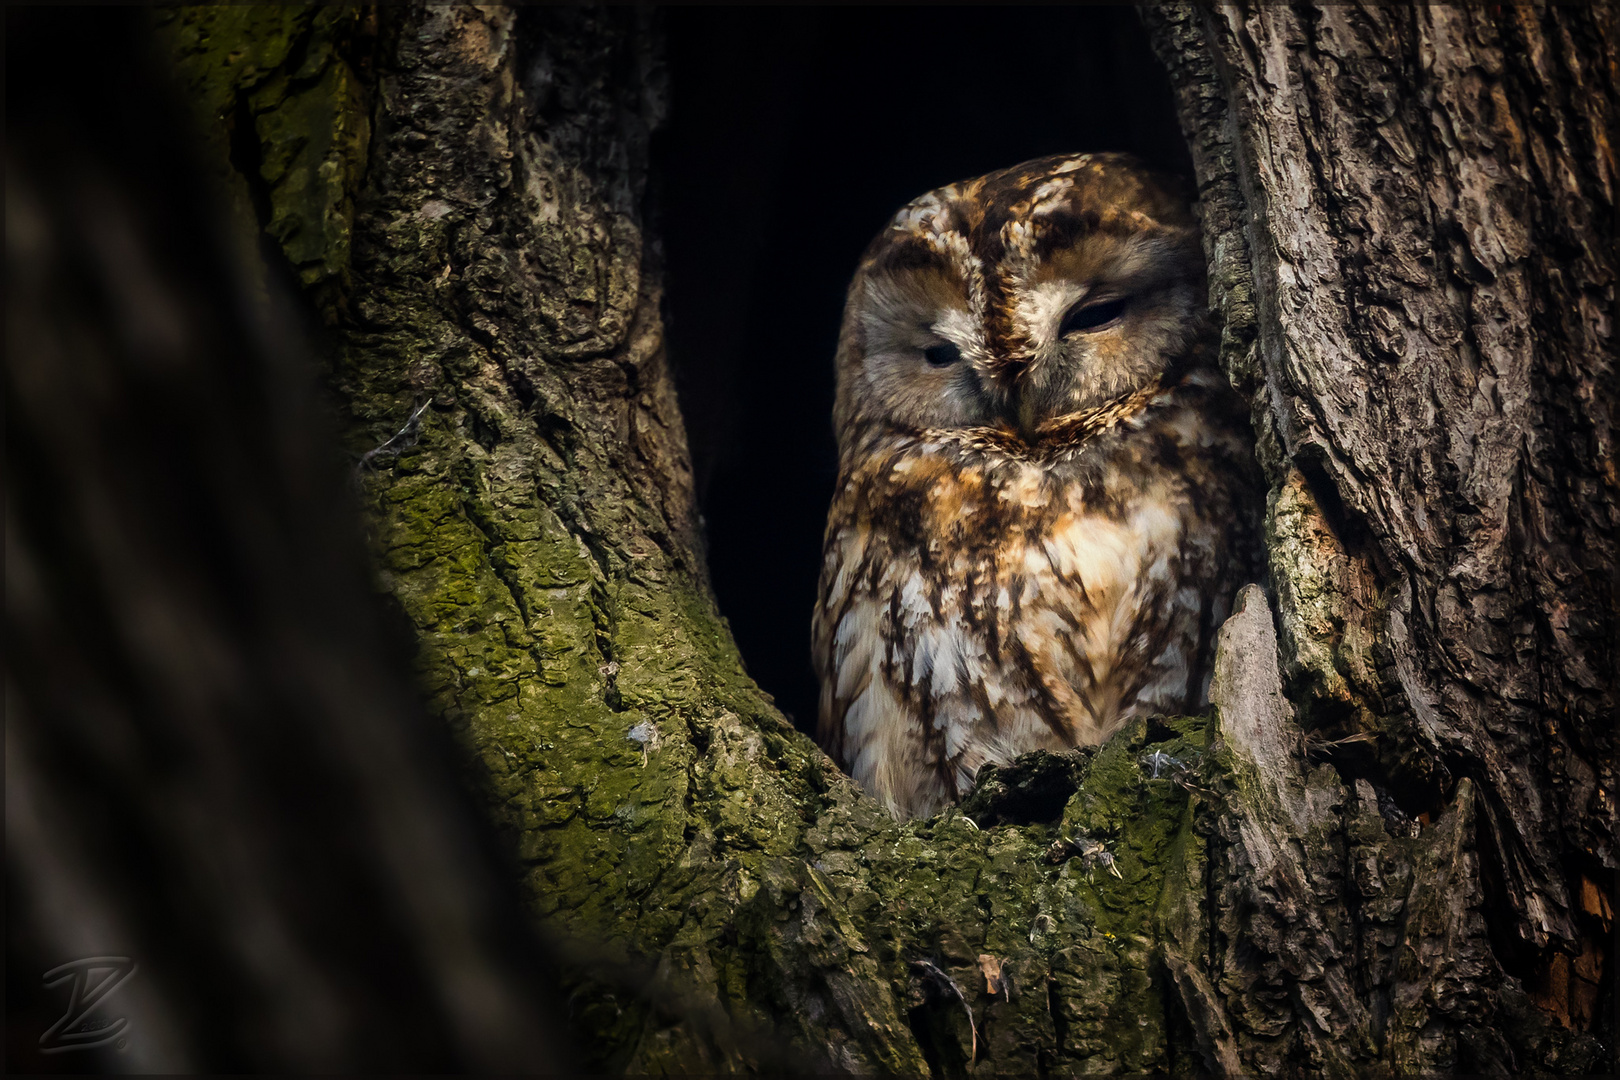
(1093, 316)
(942, 355)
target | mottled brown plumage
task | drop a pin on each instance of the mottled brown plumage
(1046, 493)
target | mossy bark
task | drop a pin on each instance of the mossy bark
(462, 192)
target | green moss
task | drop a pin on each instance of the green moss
(286, 70)
(1077, 945)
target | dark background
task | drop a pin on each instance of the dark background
(794, 134)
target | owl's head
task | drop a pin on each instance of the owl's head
(1020, 298)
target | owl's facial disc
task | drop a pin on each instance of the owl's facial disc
(921, 351)
(1018, 299)
(1097, 333)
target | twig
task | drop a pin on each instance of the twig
(409, 431)
(1318, 747)
(933, 971)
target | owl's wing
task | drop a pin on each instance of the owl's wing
(874, 663)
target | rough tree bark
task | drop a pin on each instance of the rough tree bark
(1411, 226)
(1391, 847)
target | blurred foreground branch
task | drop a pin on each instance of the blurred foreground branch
(215, 766)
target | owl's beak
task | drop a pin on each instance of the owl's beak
(1035, 401)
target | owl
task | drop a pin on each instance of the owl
(1047, 494)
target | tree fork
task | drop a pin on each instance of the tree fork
(1391, 848)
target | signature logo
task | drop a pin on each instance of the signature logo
(93, 979)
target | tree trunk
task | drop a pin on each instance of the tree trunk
(1410, 222)
(1392, 845)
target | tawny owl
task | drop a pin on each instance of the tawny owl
(1047, 492)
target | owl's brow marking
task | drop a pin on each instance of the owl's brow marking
(912, 253)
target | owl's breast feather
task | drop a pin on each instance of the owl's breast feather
(1007, 604)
